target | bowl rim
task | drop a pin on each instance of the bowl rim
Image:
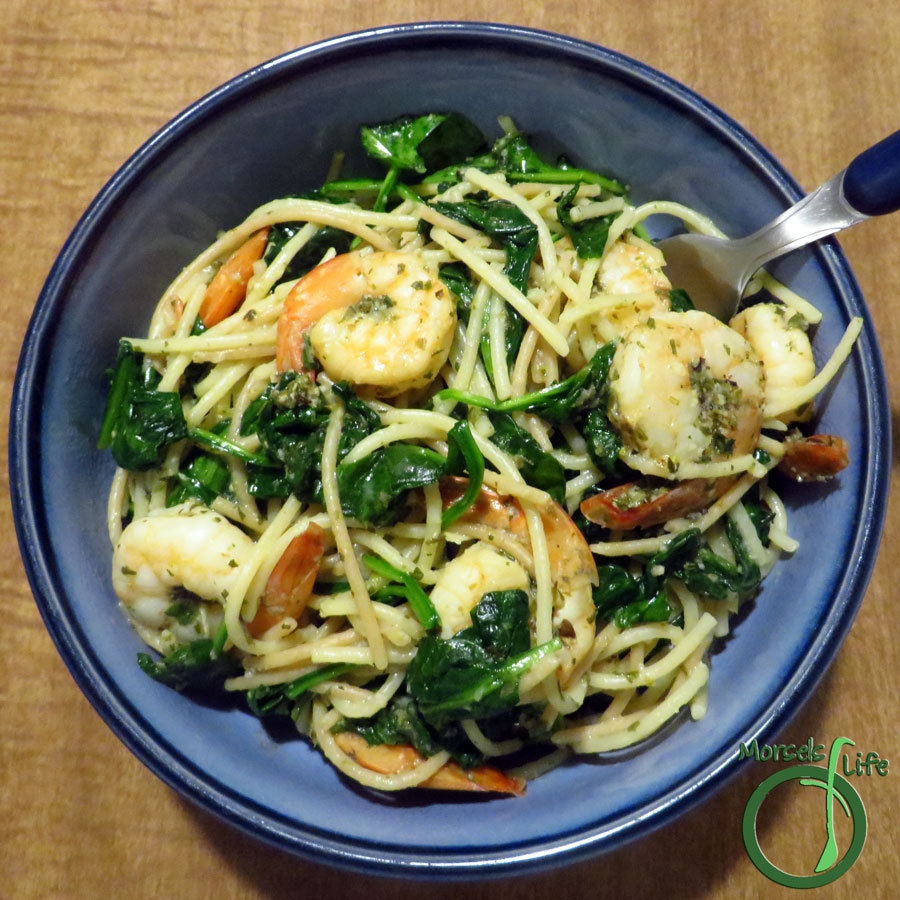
(241, 811)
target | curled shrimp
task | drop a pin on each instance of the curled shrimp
(631, 268)
(572, 567)
(685, 388)
(227, 290)
(169, 551)
(382, 321)
(767, 355)
(190, 548)
(391, 759)
(461, 584)
(290, 584)
(642, 504)
(779, 338)
(814, 458)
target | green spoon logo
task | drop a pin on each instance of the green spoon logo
(830, 866)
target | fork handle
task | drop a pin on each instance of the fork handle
(872, 181)
(817, 215)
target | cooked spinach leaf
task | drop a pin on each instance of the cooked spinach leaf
(463, 455)
(215, 441)
(205, 478)
(680, 300)
(513, 155)
(539, 468)
(500, 623)
(507, 224)
(184, 610)
(760, 516)
(311, 253)
(419, 601)
(469, 675)
(281, 699)
(710, 574)
(198, 665)
(400, 722)
(589, 235)
(422, 144)
(585, 390)
(475, 673)
(456, 276)
(140, 422)
(291, 419)
(374, 488)
(419, 144)
(517, 234)
(603, 441)
(628, 599)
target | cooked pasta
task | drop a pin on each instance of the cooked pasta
(444, 469)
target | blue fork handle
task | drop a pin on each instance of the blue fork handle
(872, 181)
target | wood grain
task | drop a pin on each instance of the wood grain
(82, 84)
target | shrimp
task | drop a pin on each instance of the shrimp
(464, 580)
(572, 565)
(462, 583)
(190, 548)
(382, 321)
(685, 388)
(185, 548)
(779, 339)
(815, 458)
(631, 267)
(391, 759)
(641, 504)
(290, 583)
(227, 290)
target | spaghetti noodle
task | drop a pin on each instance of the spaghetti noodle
(445, 470)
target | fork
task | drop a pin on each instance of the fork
(714, 271)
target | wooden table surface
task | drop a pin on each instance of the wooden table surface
(82, 84)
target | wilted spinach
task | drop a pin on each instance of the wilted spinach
(539, 468)
(710, 574)
(311, 253)
(139, 422)
(419, 601)
(629, 599)
(400, 722)
(587, 389)
(422, 144)
(589, 235)
(518, 236)
(204, 478)
(507, 224)
(456, 277)
(514, 156)
(282, 699)
(476, 672)
(603, 441)
(463, 455)
(291, 419)
(199, 665)
(419, 144)
(680, 300)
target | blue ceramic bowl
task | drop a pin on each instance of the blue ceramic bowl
(270, 132)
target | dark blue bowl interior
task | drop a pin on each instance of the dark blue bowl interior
(272, 132)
